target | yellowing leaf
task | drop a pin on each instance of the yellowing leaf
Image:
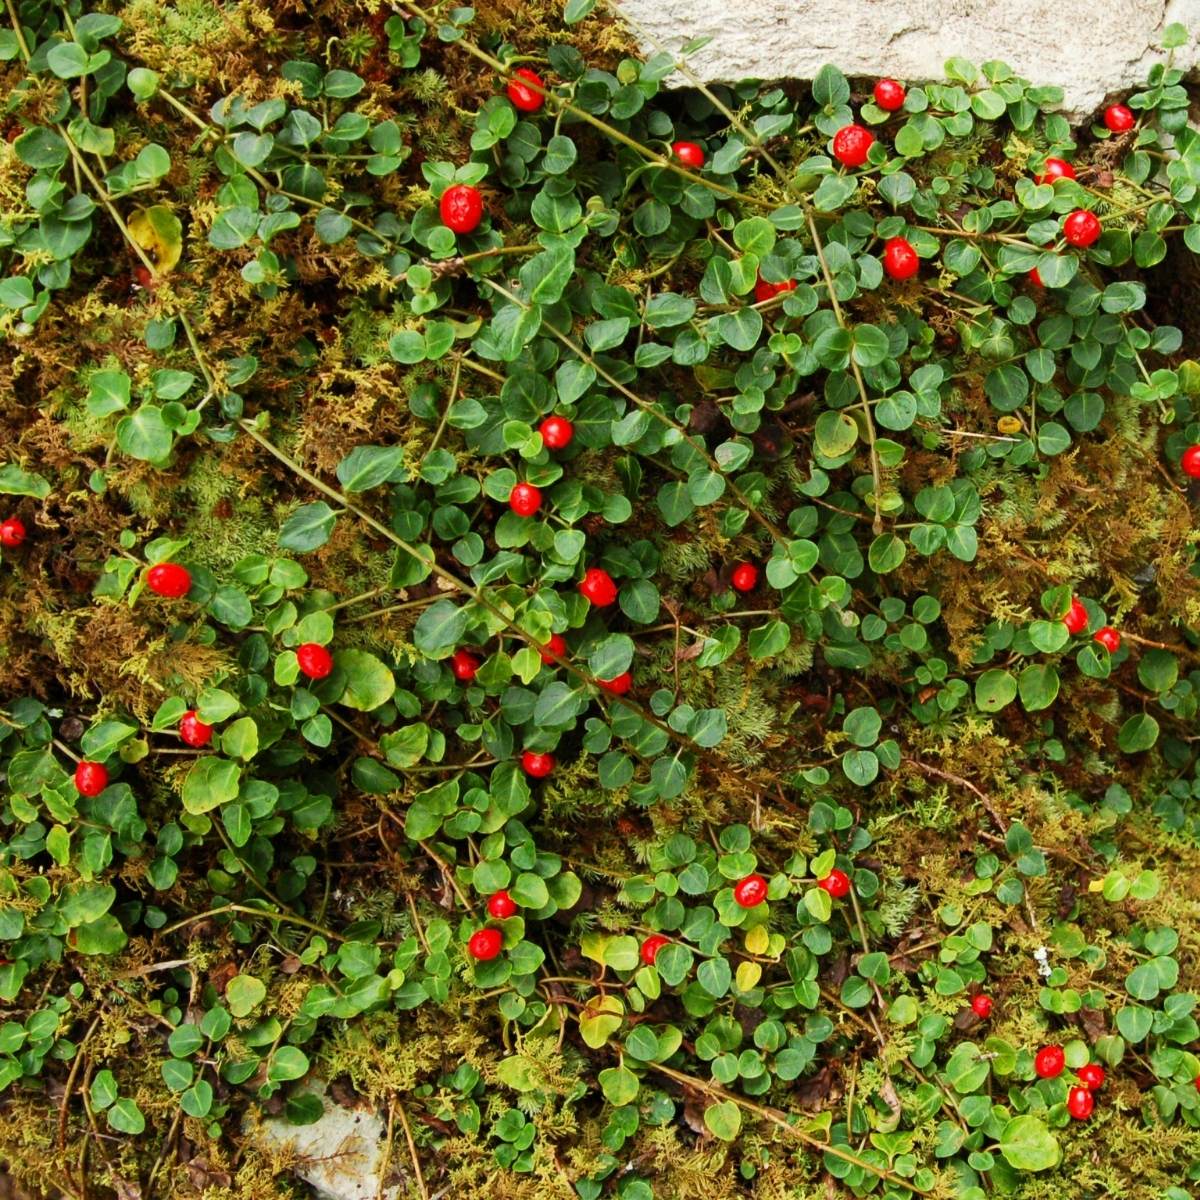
(757, 939)
(158, 231)
(748, 974)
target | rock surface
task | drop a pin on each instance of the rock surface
(1091, 53)
(339, 1156)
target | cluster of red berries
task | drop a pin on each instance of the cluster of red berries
(749, 892)
(461, 204)
(485, 944)
(1049, 1062)
(1076, 621)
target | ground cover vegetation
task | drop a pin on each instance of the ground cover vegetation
(653, 637)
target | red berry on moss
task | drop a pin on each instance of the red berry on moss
(461, 207)
(556, 432)
(1076, 619)
(691, 154)
(12, 532)
(836, 883)
(501, 905)
(1081, 228)
(169, 579)
(535, 765)
(744, 577)
(619, 685)
(524, 97)
(750, 891)
(981, 1006)
(1189, 462)
(851, 145)
(1080, 1103)
(768, 291)
(651, 946)
(597, 587)
(889, 95)
(315, 661)
(1055, 168)
(194, 731)
(1091, 1076)
(900, 260)
(557, 645)
(91, 778)
(464, 664)
(485, 944)
(1119, 118)
(1109, 638)
(1049, 1062)
(525, 499)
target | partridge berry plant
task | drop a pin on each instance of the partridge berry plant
(846, 412)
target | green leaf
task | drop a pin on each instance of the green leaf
(1027, 1145)
(308, 528)
(440, 628)
(369, 682)
(145, 434)
(14, 481)
(1139, 733)
(724, 1120)
(619, 1085)
(126, 1117)
(835, 434)
(288, 1062)
(995, 689)
(211, 782)
(368, 466)
(243, 994)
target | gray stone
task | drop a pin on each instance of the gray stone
(1092, 51)
(340, 1155)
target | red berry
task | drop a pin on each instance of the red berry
(1049, 1062)
(889, 95)
(1055, 168)
(836, 883)
(169, 579)
(981, 1006)
(538, 766)
(556, 645)
(1109, 638)
(1196, 1082)
(12, 532)
(1189, 463)
(525, 499)
(900, 260)
(768, 291)
(315, 661)
(1076, 619)
(485, 944)
(1119, 118)
(556, 432)
(522, 95)
(464, 664)
(750, 891)
(1081, 228)
(851, 144)
(618, 686)
(1091, 1076)
(651, 946)
(1080, 1103)
(501, 905)
(691, 154)
(91, 778)
(744, 577)
(1036, 276)
(597, 587)
(461, 207)
(194, 731)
